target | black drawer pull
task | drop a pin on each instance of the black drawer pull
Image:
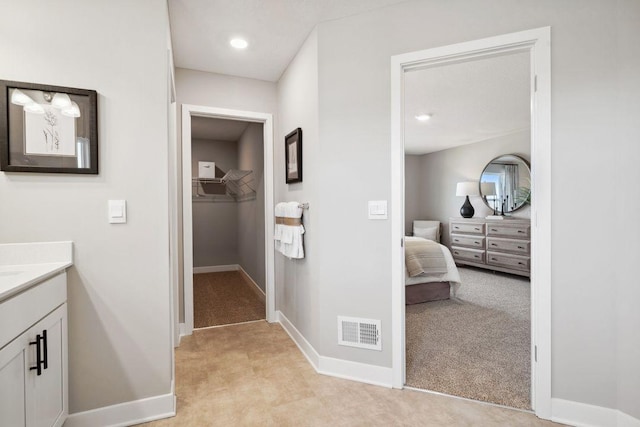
(457, 228)
(520, 263)
(493, 259)
(477, 243)
(38, 367)
(456, 240)
(493, 244)
(476, 256)
(520, 247)
(456, 252)
(476, 228)
(520, 231)
(46, 357)
(493, 229)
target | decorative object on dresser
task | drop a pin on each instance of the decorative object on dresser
(466, 189)
(500, 245)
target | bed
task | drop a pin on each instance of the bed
(430, 286)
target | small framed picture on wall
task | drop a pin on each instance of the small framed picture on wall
(48, 129)
(293, 156)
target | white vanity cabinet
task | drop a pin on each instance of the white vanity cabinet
(33, 355)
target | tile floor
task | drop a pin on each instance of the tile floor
(254, 375)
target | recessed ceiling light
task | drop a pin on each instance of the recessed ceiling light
(423, 117)
(239, 43)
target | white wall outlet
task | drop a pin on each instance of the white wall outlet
(377, 209)
(117, 211)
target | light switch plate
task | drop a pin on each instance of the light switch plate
(117, 211)
(377, 209)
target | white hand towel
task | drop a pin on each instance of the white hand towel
(288, 238)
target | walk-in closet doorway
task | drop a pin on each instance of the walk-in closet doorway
(227, 204)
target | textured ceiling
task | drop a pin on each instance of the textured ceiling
(275, 30)
(470, 102)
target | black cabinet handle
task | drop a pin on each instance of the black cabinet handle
(456, 240)
(46, 357)
(493, 244)
(456, 252)
(476, 256)
(520, 247)
(520, 231)
(477, 243)
(477, 229)
(520, 263)
(457, 228)
(493, 259)
(38, 367)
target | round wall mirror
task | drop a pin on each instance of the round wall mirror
(505, 184)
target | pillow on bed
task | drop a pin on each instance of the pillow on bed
(430, 233)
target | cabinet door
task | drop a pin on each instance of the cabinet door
(49, 388)
(14, 370)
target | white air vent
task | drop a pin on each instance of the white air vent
(356, 332)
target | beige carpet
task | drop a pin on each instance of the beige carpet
(225, 298)
(254, 375)
(477, 347)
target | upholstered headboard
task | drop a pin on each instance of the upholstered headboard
(428, 229)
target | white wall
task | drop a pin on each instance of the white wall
(594, 84)
(119, 294)
(220, 91)
(215, 224)
(250, 230)
(412, 190)
(298, 291)
(439, 172)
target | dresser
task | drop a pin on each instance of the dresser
(500, 245)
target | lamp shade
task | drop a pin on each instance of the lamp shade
(468, 188)
(488, 188)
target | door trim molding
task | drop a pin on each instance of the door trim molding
(538, 43)
(266, 119)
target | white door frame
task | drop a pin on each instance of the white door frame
(538, 43)
(189, 111)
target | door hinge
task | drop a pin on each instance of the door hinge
(535, 353)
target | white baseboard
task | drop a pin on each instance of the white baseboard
(126, 414)
(585, 415)
(182, 331)
(242, 271)
(216, 268)
(346, 369)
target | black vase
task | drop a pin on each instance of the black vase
(467, 210)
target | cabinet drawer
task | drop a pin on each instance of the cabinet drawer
(509, 245)
(510, 261)
(464, 254)
(519, 230)
(470, 241)
(460, 227)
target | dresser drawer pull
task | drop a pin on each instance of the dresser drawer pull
(477, 243)
(520, 247)
(520, 263)
(456, 240)
(456, 252)
(476, 256)
(476, 228)
(493, 244)
(493, 259)
(520, 231)
(493, 229)
(456, 227)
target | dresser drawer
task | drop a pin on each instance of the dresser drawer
(512, 230)
(465, 254)
(470, 241)
(470, 228)
(509, 245)
(509, 261)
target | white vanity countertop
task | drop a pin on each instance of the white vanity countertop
(22, 265)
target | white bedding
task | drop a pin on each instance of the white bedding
(451, 275)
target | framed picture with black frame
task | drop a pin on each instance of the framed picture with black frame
(293, 156)
(48, 129)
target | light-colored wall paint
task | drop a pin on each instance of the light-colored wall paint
(118, 289)
(412, 190)
(251, 212)
(220, 91)
(587, 102)
(298, 291)
(215, 224)
(439, 172)
(626, 153)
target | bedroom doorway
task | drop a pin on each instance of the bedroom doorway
(530, 48)
(204, 188)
